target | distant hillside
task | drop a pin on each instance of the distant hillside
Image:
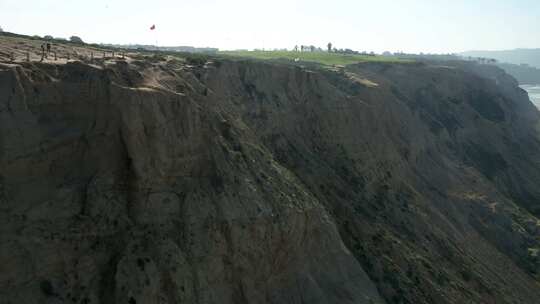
(524, 74)
(518, 56)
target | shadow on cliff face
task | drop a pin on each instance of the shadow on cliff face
(488, 162)
(399, 166)
(484, 105)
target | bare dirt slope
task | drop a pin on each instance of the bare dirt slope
(149, 180)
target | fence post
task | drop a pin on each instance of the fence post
(123, 55)
(104, 54)
(113, 54)
(28, 56)
(68, 56)
(55, 57)
(91, 56)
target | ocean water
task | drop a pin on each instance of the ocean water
(534, 93)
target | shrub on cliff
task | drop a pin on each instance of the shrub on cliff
(76, 39)
(196, 59)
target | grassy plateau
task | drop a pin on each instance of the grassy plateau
(323, 58)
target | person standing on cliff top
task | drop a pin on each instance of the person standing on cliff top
(42, 51)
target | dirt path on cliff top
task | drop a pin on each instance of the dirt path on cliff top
(21, 49)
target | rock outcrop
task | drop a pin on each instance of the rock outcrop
(153, 181)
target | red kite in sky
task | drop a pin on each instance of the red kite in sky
(153, 27)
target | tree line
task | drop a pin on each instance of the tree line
(330, 48)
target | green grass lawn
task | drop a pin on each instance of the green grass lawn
(317, 57)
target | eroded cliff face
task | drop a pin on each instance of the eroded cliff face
(153, 181)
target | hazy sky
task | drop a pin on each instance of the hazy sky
(440, 26)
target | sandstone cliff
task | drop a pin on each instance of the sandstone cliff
(154, 181)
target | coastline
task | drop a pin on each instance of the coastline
(534, 93)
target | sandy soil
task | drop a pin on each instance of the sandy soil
(15, 49)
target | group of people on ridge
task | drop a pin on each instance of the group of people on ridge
(45, 47)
